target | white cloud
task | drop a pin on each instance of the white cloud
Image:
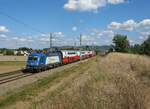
(15, 42)
(108, 33)
(23, 39)
(3, 29)
(141, 37)
(96, 36)
(114, 25)
(144, 23)
(144, 35)
(132, 42)
(87, 38)
(3, 36)
(116, 1)
(74, 28)
(15, 38)
(147, 33)
(89, 5)
(107, 41)
(58, 34)
(128, 25)
(44, 35)
(71, 5)
(103, 33)
(55, 34)
(44, 39)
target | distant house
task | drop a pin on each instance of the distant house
(26, 53)
(21, 53)
(15, 52)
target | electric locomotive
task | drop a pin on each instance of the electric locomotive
(38, 61)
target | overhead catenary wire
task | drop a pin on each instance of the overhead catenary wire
(21, 22)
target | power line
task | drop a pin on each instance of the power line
(20, 22)
(51, 36)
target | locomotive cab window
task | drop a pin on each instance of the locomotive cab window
(33, 58)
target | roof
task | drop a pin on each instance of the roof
(37, 54)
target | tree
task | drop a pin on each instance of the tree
(8, 52)
(137, 49)
(146, 46)
(121, 43)
(24, 49)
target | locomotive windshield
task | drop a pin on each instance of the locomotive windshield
(33, 58)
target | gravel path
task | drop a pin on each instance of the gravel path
(14, 85)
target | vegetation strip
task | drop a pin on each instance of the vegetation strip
(12, 63)
(112, 84)
(62, 87)
(33, 89)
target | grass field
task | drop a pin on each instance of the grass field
(117, 81)
(8, 66)
(12, 63)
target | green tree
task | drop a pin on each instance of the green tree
(8, 52)
(121, 43)
(136, 49)
(24, 49)
(146, 46)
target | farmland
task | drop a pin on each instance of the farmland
(11, 63)
(116, 81)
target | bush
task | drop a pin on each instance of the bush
(8, 52)
(146, 46)
(121, 43)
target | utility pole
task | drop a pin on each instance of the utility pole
(80, 40)
(75, 45)
(80, 45)
(50, 39)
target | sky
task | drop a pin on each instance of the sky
(30, 22)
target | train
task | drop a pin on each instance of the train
(46, 59)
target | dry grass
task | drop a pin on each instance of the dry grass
(118, 81)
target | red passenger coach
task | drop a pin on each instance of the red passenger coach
(70, 56)
(89, 54)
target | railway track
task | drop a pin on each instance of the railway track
(10, 73)
(15, 75)
(12, 76)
